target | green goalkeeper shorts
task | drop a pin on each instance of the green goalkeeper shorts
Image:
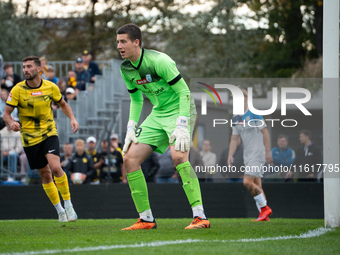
(156, 129)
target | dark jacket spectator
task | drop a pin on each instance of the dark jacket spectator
(150, 167)
(10, 79)
(90, 65)
(308, 156)
(81, 162)
(115, 160)
(83, 76)
(196, 162)
(167, 172)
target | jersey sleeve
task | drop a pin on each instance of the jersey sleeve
(13, 97)
(235, 131)
(259, 121)
(166, 68)
(136, 103)
(56, 97)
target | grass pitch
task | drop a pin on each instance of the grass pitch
(226, 236)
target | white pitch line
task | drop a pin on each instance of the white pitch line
(311, 233)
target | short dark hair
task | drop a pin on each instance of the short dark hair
(306, 133)
(7, 66)
(282, 136)
(133, 32)
(33, 58)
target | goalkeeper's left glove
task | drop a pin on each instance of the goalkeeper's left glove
(181, 135)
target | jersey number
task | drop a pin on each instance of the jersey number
(138, 131)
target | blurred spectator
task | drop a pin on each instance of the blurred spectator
(150, 167)
(65, 159)
(2, 71)
(24, 167)
(70, 94)
(90, 65)
(196, 161)
(91, 143)
(50, 74)
(307, 158)
(282, 156)
(237, 175)
(3, 98)
(11, 147)
(81, 162)
(72, 79)
(33, 177)
(114, 142)
(10, 79)
(167, 172)
(115, 160)
(209, 159)
(83, 76)
(62, 87)
(43, 61)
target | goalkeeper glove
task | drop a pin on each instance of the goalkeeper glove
(181, 135)
(130, 135)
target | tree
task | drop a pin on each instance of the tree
(292, 36)
(211, 44)
(19, 34)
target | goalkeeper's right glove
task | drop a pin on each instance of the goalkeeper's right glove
(130, 135)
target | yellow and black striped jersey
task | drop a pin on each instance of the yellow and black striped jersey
(34, 109)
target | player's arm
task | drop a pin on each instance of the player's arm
(181, 133)
(68, 112)
(11, 103)
(166, 68)
(136, 105)
(266, 141)
(232, 149)
(15, 126)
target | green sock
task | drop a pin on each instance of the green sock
(190, 183)
(139, 191)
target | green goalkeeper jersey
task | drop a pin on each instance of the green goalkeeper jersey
(155, 74)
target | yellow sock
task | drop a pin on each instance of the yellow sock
(52, 192)
(62, 185)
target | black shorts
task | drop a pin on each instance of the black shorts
(36, 153)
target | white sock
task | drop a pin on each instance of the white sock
(258, 206)
(198, 211)
(59, 208)
(261, 200)
(147, 216)
(67, 203)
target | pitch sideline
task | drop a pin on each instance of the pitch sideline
(311, 233)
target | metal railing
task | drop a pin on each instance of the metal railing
(11, 147)
(98, 109)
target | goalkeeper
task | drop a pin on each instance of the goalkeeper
(171, 121)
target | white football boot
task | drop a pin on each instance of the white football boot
(62, 217)
(71, 214)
